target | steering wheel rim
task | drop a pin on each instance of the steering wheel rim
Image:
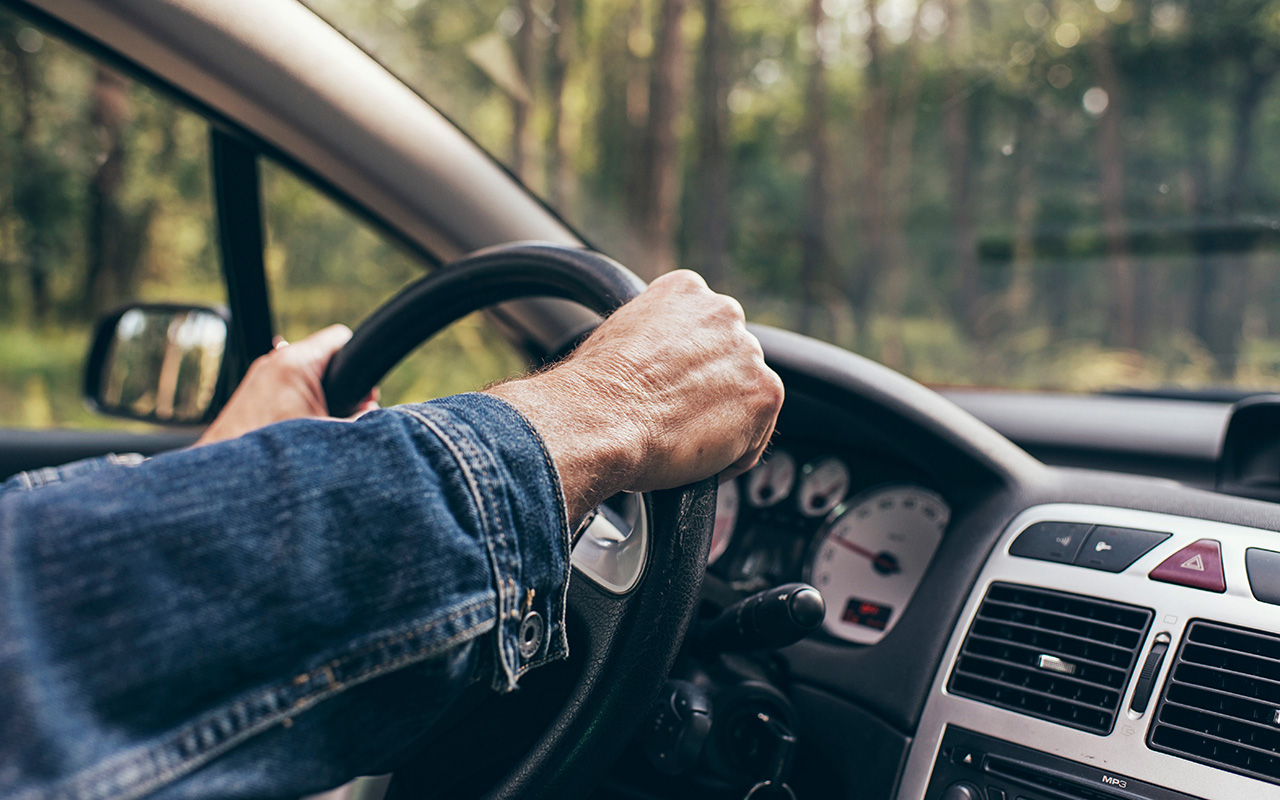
(630, 641)
(475, 282)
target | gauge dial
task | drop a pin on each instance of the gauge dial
(823, 484)
(727, 500)
(771, 481)
(870, 558)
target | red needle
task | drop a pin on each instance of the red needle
(885, 563)
(862, 551)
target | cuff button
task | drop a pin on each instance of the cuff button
(532, 632)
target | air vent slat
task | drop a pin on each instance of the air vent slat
(1224, 754)
(1221, 707)
(1223, 742)
(1032, 673)
(1051, 655)
(1048, 691)
(1113, 651)
(1113, 672)
(1245, 663)
(1066, 618)
(1224, 703)
(1227, 681)
(1221, 726)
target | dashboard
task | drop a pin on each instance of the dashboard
(1135, 648)
(1102, 652)
(1043, 633)
(861, 531)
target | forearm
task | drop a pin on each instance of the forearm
(248, 581)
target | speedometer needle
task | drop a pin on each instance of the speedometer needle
(885, 563)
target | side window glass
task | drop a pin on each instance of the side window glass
(325, 265)
(105, 198)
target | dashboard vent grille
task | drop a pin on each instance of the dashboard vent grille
(1221, 704)
(1051, 655)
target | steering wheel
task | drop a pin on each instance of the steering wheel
(622, 645)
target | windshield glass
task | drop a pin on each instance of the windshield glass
(1051, 195)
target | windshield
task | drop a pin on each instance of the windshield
(1049, 195)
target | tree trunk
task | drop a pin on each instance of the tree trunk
(111, 267)
(637, 167)
(30, 189)
(1026, 208)
(713, 163)
(955, 130)
(899, 149)
(611, 127)
(1217, 310)
(521, 106)
(559, 174)
(1244, 112)
(662, 152)
(814, 230)
(874, 127)
(1122, 325)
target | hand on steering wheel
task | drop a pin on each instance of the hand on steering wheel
(624, 644)
(668, 390)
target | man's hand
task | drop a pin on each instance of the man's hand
(669, 389)
(284, 384)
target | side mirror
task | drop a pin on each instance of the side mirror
(157, 362)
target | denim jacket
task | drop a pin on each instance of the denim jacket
(272, 615)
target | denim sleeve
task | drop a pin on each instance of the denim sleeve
(272, 615)
(48, 476)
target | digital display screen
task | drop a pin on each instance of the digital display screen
(867, 614)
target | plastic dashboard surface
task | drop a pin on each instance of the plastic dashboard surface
(1124, 750)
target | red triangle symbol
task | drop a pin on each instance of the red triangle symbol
(1198, 565)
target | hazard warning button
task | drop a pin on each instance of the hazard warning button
(1197, 565)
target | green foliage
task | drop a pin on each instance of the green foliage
(969, 236)
(1035, 87)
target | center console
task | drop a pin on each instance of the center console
(1110, 654)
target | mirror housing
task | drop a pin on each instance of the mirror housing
(158, 362)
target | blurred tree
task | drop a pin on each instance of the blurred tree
(955, 124)
(563, 51)
(813, 233)
(1108, 102)
(521, 104)
(660, 186)
(710, 248)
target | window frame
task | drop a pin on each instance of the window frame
(239, 215)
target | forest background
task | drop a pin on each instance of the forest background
(1037, 195)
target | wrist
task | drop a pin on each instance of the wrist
(595, 447)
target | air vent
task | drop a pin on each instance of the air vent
(1056, 656)
(1221, 704)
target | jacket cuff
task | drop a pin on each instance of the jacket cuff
(521, 508)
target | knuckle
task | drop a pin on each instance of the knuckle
(775, 391)
(731, 308)
(685, 279)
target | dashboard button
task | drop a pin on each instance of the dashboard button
(1197, 565)
(1264, 574)
(1051, 541)
(966, 757)
(1114, 549)
(995, 793)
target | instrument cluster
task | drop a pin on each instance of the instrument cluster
(859, 531)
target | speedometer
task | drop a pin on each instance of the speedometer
(870, 558)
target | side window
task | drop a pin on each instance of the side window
(325, 265)
(105, 198)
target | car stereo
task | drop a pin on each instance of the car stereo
(970, 766)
